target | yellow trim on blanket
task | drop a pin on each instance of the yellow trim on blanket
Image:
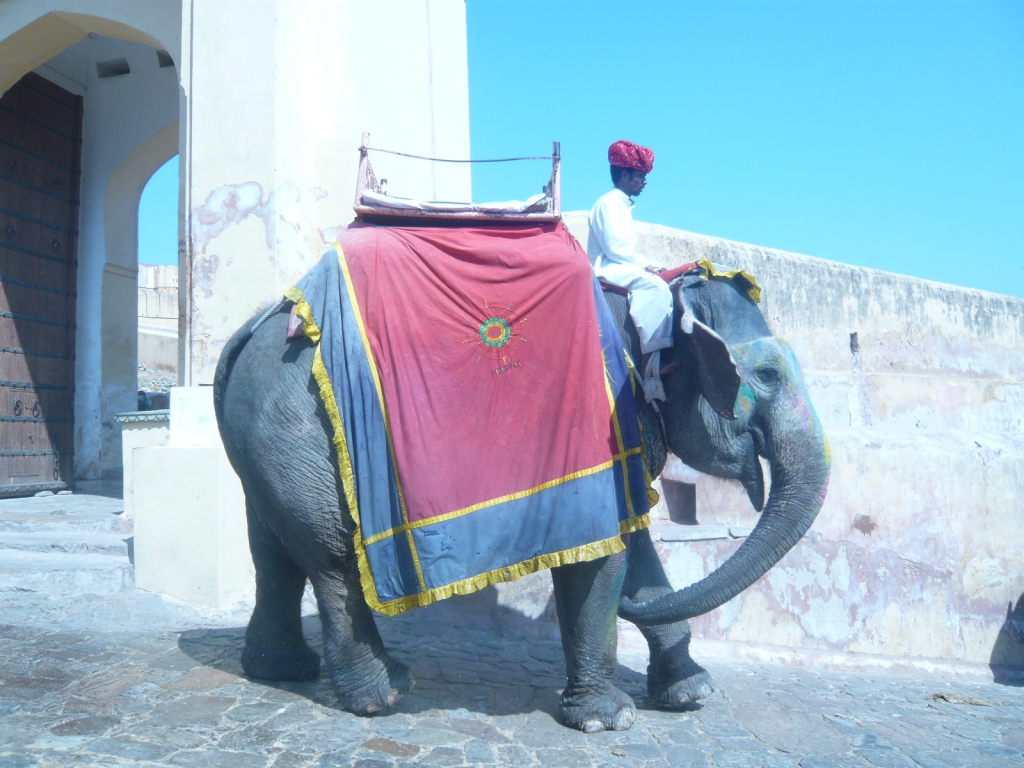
(618, 440)
(580, 554)
(348, 480)
(383, 407)
(753, 289)
(500, 500)
(303, 310)
(634, 524)
(652, 495)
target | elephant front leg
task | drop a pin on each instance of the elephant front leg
(673, 677)
(586, 597)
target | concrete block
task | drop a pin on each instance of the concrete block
(193, 421)
(139, 429)
(191, 539)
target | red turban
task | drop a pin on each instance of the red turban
(626, 154)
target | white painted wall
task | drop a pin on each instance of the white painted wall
(120, 115)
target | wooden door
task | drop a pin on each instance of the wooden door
(40, 148)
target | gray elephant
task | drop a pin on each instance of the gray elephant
(268, 405)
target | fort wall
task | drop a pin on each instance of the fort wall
(915, 556)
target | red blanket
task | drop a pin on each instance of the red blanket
(489, 358)
(481, 403)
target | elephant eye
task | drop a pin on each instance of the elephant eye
(769, 375)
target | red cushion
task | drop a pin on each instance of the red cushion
(668, 276)
(671, 274)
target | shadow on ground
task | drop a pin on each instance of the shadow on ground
(1007, 660)
(465, 653)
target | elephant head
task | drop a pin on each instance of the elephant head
(726, 406)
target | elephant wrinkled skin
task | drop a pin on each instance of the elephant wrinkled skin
(278, 439)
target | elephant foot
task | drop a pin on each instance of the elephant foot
(593, 712)
(383, 690)
(678, 683)
(294, 666)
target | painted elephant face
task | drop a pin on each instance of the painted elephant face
(719, 421)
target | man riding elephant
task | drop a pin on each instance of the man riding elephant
(612, 251)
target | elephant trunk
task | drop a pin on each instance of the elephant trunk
(799, 471)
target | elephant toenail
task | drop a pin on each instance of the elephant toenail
(624, 719)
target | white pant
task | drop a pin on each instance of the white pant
(650, 303)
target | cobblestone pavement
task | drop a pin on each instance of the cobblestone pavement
(116, 697)
(133, 678)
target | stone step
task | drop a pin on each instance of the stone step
(670, 532)
(64, 574)
(62, 541)
(40, 524)
(64, 513)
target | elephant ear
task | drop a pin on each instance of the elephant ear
(716, 370)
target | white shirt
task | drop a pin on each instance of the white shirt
(612, 239)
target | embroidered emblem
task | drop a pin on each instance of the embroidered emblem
(495, 332)
(495, 335)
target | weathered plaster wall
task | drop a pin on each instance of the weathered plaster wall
(274, 119)
(917, 550)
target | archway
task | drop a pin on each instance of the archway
(119, 339)
(158, 286)
(31, 35)
(122, 71)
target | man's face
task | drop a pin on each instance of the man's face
(632, 182)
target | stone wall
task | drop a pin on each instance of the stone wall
(916, 554)
(158, 317)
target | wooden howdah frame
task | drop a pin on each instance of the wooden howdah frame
(366, 180)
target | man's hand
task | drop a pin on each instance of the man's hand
(654, 269)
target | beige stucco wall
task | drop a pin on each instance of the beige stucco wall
(917, 550)
(272, 98)
(274, 119)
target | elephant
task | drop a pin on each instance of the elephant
(277, 437)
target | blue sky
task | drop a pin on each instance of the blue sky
(884, 134)
(158, 216)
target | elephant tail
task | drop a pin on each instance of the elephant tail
(230, 354)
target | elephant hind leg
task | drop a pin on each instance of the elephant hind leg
(366, 678)
(674, 679)
(586, 596)
(274, 646)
